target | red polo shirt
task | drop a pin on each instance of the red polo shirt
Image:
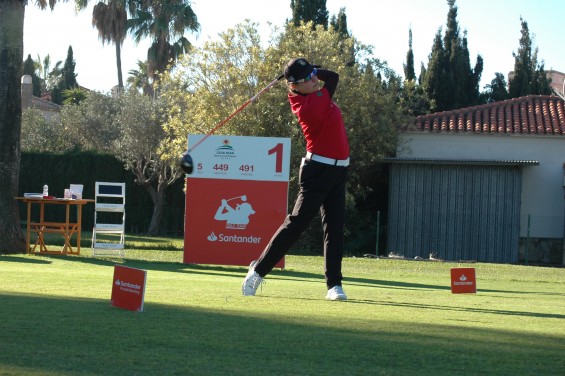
(322, 124)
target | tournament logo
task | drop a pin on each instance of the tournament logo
(225, 151)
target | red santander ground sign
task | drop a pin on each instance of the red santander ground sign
(463, 280)
(128, 288)
(236, 198)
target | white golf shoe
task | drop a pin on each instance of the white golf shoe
(336, 293)
(252, 281)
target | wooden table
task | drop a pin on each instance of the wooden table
(40, 227)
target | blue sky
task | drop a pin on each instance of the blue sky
(493, 31)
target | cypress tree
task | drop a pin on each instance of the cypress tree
(450, 81)
(409, 73)
(339, 23)
(423, 73)
(475, 80)
(435, 79)
(496, 90)
(68, 78)
(309, 10)
(29, 68)
(529, 76)
(69, 75)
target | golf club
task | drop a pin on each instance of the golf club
(243, 198)
(186, 162)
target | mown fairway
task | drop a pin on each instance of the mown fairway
(401, 319)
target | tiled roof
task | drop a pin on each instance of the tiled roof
(533, 114)
(43, 104)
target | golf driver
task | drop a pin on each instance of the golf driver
(186, 162)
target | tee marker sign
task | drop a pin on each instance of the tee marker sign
(463, 280)
(128, 288)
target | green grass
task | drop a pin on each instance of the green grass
(401, 318)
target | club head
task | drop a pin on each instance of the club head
(185, 163)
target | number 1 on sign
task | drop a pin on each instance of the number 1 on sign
(278, 151)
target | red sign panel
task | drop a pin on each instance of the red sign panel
(463, 280)
(230, 222)
(128, 288)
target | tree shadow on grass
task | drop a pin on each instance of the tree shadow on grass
(286, 274)
(459, 309)
(23, 259)
(55, 335)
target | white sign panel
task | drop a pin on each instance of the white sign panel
(240, 157)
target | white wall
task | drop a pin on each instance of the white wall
(542, 185)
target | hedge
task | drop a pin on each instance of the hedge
(58, 171)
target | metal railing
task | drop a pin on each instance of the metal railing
(542, 239)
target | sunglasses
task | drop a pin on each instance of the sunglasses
(307, 78)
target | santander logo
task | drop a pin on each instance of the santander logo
(463, 281)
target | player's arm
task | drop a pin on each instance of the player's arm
(330, 79)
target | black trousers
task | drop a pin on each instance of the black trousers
(322, 187)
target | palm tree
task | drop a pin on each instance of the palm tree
(110, 21)
(53, 76)
(11, 60)
(139, 79)
(48, 77)
(158, 19)
(163, 20)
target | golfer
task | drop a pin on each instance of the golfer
(323, 173)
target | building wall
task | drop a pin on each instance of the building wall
(542, 185)
(557, 81)
(50, 111)
(51, 115)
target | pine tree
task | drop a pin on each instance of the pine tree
(309, 10)
(529, 76)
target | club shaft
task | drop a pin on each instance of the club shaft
(223, 122)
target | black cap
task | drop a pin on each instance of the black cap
(297, 69)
